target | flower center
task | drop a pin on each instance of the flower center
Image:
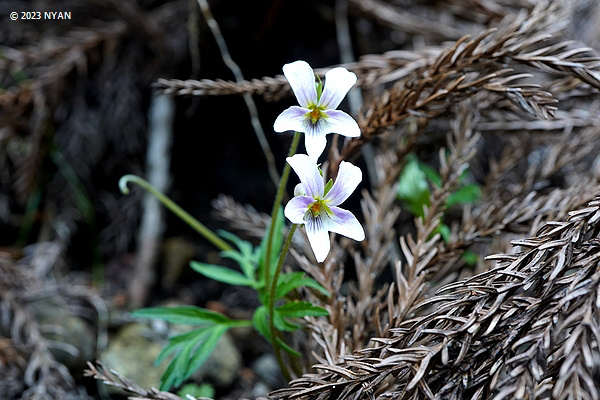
(315, 113)
(316, 208)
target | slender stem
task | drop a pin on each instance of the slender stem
(279, 196)
(282, 256)
(180, 212)
(239, 77)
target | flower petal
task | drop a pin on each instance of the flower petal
(306, 169)
(302, 80)
(338, 82)
(296, 208)
(318, 237)
(315, 142)
(346, 224)
(342, 123)
(292, 119)
(348, 178)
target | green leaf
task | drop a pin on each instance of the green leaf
(197, 391)
(179, 341)
(465, 195)
(287, 348)
(246, 263)
(444, 231)
(204, 349)
(222, 274)
(470, 258)
(275, 248)
(282, 324)
(413, 188)
(299, 309)
(293, 280)
(190, 315)
(431, 174)
(244, 246)
(328, 186)
(261, 323)
(174, 374)
(194, 348)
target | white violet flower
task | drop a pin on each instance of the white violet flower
(317, 114)
(316, 206)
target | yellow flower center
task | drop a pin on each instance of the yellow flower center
(315, 113)
(317, 207)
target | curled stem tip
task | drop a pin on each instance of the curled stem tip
(125, 179)
(171, 205)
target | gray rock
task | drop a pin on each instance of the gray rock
(267, 369)
(72, 341)
(132, 353)
(260, 390)
(133, 350)
(223, 366)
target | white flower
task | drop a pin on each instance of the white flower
(317, 115)
(318, 210)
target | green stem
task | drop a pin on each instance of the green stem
(282, 256)
(278, 198)
(180, 212)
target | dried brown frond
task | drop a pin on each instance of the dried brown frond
(514, 329)
(242, 218)
(370, 69)
(112, 378)
(32, 368)
(409, 21)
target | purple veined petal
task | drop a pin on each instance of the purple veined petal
(315, 141)
(348, 178)
(345, 223)
(338, 82)
(341, 123)
(292, 119)
(306, 169)
(296, 208)
(318, 237)
(302, 80)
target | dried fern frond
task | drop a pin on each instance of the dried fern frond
(507, 329)
(112, 378)
(397, 18)
(242, 218)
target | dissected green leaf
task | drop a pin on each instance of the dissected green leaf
(191, 350)
(247, 264)
(244, 246)
(190, 315)
(293, 280)
(222, 274)
(179, 341)
(205, 347)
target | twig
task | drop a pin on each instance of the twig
(237, 73)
